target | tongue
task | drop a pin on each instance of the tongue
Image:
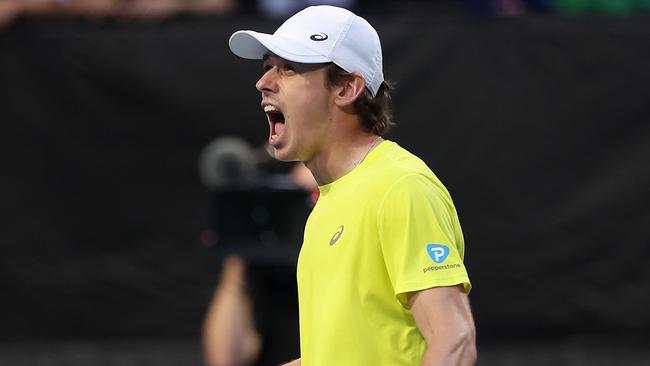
(278, 128)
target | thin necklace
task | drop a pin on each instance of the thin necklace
(368, 152)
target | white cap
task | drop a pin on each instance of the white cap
(319, 34)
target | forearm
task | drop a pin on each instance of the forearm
(226, 329)
(442, 352)
(229, 335)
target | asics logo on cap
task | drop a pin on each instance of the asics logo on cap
(318, 37)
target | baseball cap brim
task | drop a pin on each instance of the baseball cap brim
(254, 45)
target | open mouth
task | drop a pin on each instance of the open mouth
(276, 122)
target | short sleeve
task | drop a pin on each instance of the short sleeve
(420, 237)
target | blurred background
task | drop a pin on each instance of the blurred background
(535, 114)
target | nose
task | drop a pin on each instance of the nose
(268, 81)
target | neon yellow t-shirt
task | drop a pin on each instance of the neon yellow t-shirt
(386, 228)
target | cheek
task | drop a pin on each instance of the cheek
(307, 106)
(314, 108)
(303, 112)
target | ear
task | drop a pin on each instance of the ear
(347, 93)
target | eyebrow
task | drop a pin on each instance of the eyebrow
(266, 57)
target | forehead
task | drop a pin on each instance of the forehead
(272, 57)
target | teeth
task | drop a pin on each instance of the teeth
(270, 108)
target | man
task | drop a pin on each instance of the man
(381, 279)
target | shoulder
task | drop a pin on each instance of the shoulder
(393, 174)
(392, 163)
(415, 189)
(395, 156)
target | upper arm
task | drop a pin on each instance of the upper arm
(440, 310)
(293, 363)
(420, 238)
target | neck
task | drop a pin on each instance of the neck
(341, 155)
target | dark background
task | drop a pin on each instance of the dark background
(539, 127)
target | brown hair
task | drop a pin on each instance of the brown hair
(376, 112)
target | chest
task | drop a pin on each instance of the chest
(341, 235)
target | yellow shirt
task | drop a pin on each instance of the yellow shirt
(386, 228)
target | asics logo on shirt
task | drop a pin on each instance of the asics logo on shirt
(337, 235)
(437, 252)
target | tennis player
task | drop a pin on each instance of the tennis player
(381, 278)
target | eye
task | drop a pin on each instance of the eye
(288, 68)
